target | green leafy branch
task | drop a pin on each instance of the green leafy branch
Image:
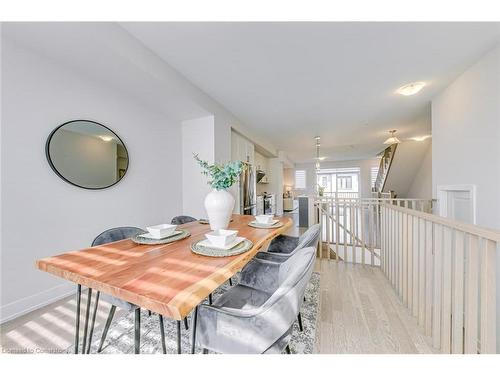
(221, 177)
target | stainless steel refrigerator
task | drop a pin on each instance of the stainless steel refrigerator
(247, 191)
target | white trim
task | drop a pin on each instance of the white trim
(442, 195)
(25, 305)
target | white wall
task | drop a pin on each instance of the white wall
(466, 136)
(421, 187)
(365, 174)
(405, 166)
(466, 141)
(38, 95)
(198, 137)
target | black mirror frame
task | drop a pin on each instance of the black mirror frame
(52, 166)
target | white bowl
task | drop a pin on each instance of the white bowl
(264, 219)
(161, 230)
(222, 237)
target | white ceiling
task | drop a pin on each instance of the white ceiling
(292, 81)
(106, 53)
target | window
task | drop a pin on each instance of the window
(345, 182)
(341, 182)
(374, 173)
(300, 179)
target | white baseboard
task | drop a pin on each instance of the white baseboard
(25, 305)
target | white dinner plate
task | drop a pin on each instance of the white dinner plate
(149, 236)
(207, 243)
(266, 224)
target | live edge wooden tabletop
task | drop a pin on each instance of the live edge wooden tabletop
(167, 279)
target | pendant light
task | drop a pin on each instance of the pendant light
(392, 139)
(318, 144)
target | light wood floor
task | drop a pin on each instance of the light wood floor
(50, 329)
(359, 313)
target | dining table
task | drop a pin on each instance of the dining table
(167, 279)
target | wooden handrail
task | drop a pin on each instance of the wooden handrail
(378, 199)
(487, 233)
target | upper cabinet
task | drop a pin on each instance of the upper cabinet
(260, 162)
(242, 149)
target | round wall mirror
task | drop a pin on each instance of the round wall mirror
(87, 154)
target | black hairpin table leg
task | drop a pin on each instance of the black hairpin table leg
(92, 323)
(137, 331)
(77, 322)
(86, 326)
(193, 326)
(179, 349)
(162, 333)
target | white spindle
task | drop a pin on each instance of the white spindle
(337, 227)
(429, 272)
(446, 292)
(409, 241)
(488, 297)
(415, 265)
(471, 297)
(362, 234)
(400, 252)
(438, 282)
(320, 218)
(344, 212)
(372, 247)
(422, 275)
(457, 346)
(404, 258)
(351, 227)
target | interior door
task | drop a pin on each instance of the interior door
(457, 202)
(459, 206)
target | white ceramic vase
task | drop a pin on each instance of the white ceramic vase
(219, 205)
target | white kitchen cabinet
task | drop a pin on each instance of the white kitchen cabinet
(242, 149)
(261, 162)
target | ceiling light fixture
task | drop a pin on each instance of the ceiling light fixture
(106, 138)
(411, 88)
(318, 158)
(422, 138)
(392, 139)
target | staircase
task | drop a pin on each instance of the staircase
(383, 171)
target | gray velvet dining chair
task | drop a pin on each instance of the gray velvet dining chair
(112, 235)
(257, 317)
(182, 219)
(283, 246)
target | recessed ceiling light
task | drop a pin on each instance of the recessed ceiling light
(411, 88)
(106, 138)
(422, 138)
(321, 158)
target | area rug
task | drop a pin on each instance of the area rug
(120, 338)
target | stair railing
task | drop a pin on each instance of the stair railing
(384, 167)
(444, 272)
